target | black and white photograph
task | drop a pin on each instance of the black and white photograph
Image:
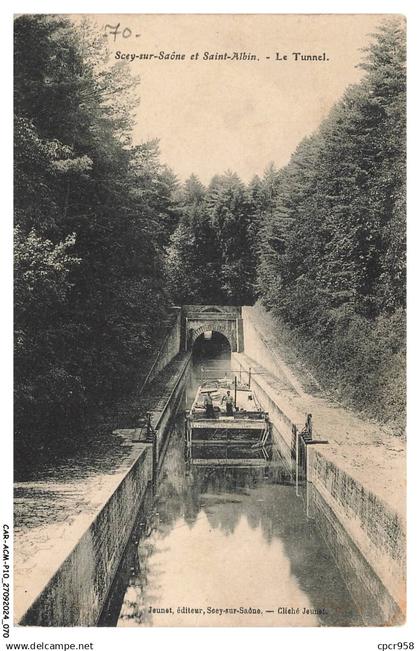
(209, 253)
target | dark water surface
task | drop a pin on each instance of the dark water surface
(217, 541)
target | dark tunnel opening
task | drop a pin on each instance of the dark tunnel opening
(211, 346)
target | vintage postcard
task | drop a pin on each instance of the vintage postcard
(209, 254)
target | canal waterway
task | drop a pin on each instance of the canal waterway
(226, 545)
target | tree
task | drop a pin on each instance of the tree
(81, 185)
(229, 210)
(212, 254)
(47, 386)
(332, 254)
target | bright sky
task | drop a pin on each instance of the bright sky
(211, 116)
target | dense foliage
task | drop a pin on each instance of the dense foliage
(212, 254)
(92, 215)
(332, 256)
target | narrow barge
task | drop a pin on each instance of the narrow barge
(226, 412)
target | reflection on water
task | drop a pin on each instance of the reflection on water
(226, 538)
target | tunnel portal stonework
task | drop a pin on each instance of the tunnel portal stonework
(226, 319)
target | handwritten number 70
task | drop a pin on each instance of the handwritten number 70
(115, 31)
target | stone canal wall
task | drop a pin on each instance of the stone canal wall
(163, 416)
(76, 592)
(365, 537)
(351, 483)
(78, 586)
